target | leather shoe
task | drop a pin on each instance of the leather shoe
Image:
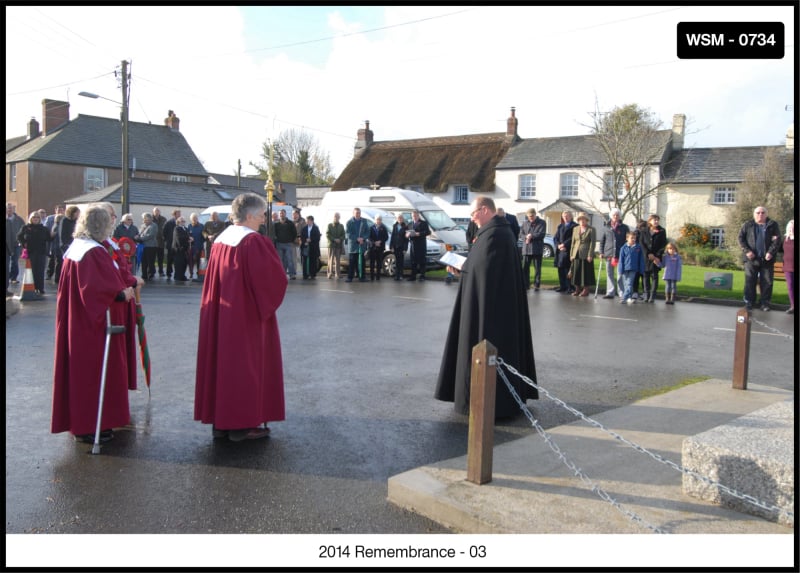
(608, 296)
(248, 434)
(585, 292)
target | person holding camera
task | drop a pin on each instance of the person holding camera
(760, 240)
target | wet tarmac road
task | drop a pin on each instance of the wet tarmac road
(360, 363)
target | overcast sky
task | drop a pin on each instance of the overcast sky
(236, 76)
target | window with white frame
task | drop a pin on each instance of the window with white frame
(527, 187)
(95, 179)
(179, 178)
(717, 236)
(569, 185)
(12, 177)
(461, 194)
(725, 195)
(608, 185)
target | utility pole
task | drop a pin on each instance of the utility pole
(125, 183)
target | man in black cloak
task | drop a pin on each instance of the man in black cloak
(492, 303)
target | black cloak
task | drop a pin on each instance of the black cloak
(491, 303)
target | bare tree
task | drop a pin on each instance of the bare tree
(297, 157)
(765, 186)
(633, 144)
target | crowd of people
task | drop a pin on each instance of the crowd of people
(250, 264)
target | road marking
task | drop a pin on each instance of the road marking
(608, 317)
(751, 331)
(414, 298)
(337, 290)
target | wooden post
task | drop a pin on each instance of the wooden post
(741, 350)
(480, 441)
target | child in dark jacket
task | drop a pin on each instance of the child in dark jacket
(631, 261)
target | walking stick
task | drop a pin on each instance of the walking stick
(110, 329)
(596, 288)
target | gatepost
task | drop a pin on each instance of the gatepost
(741, 350)
(480, 440)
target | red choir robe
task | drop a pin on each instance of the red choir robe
(239, 381)
(89, 283)
(125, 312)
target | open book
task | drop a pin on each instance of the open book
(452, 259)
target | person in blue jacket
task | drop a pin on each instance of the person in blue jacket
(631, 261)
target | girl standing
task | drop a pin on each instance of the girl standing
(672, 265)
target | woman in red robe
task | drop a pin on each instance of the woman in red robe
(90, 283)
(239, 381)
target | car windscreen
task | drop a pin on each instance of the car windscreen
(438, 220)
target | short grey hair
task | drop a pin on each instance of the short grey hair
(94, 223)
(247, 203)
(614, 211)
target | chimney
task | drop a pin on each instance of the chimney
(54, 115)
(790, 138)
(172, 121)
(33, 128)
(364, 138)
(678, 130)
(511, 124)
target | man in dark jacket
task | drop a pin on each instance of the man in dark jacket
(418, 231)
(491, 304)
(613, 238)
(563, 240)
(14, 224)
(169, 230)
(532, 234)
(760, 240)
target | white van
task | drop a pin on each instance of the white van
(323, 216)
(446, 235)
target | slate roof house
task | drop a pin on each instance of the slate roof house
(703, 183)
(554, 174)
(78, 161)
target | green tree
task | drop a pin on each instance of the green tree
(766, 186)
(297, 158)
(633, 145)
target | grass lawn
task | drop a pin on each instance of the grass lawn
(691, 284)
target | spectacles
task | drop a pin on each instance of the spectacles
(476, 210)
(761, 212)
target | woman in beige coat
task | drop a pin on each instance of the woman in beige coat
(581, 256)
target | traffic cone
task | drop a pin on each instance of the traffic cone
(28, 288)
(201, 267)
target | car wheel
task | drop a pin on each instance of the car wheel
(389, 265)
(547, 252)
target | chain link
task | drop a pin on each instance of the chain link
(575, 470)
(657, 457)
(768, 327)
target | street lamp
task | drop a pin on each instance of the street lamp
(125, 199)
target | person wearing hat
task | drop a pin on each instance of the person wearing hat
(611, 242)
(581, 256)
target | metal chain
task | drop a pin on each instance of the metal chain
(657, 457)
(575, 470)
(768, 327)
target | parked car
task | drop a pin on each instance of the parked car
(549, 246)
